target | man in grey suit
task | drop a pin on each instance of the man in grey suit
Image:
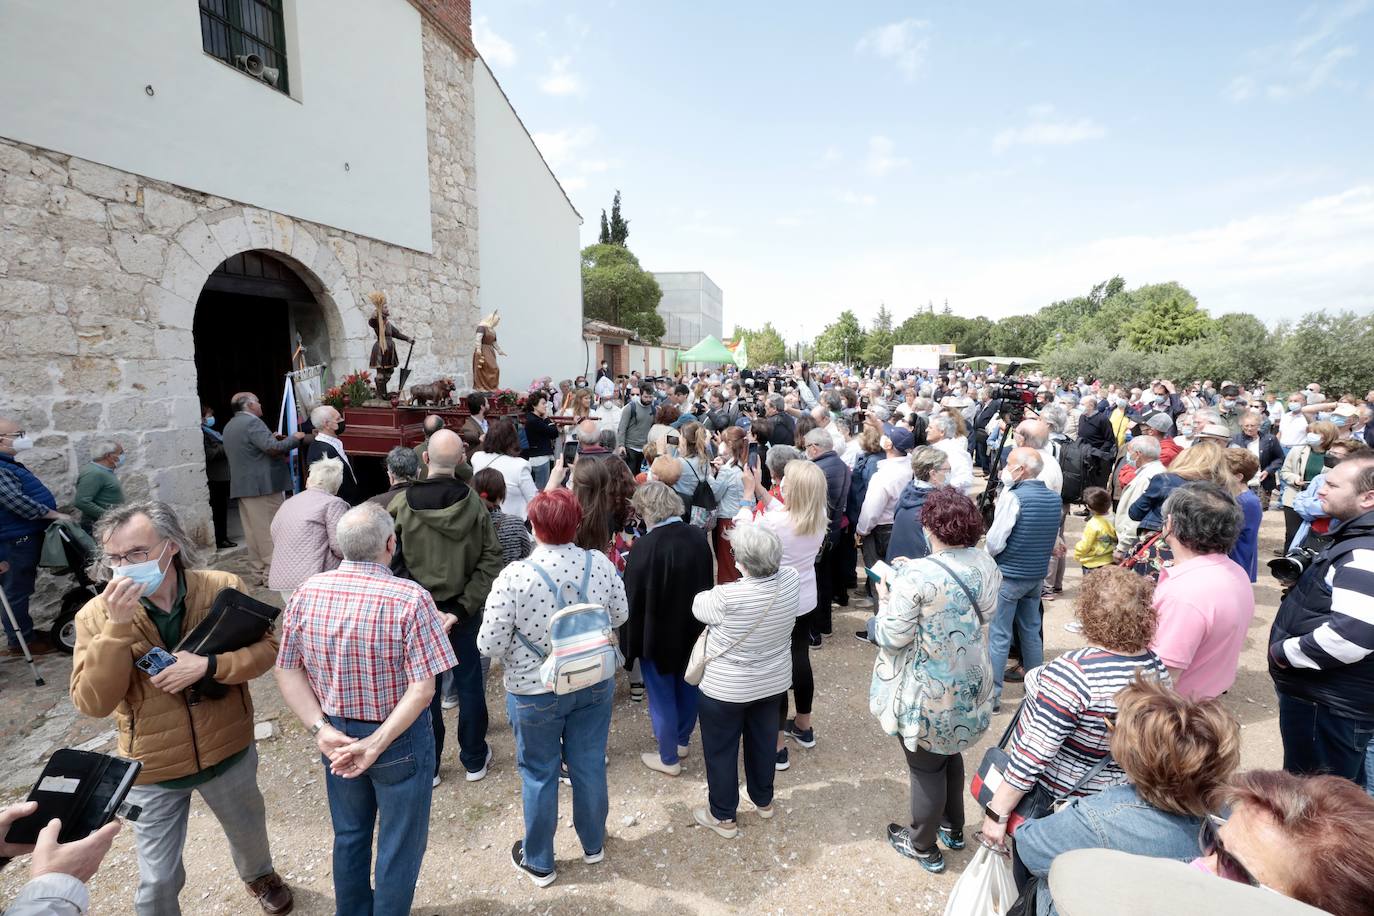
(258, 475)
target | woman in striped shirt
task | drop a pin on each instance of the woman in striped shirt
(1059, 744)
(748, 671)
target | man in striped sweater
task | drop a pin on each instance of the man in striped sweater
(1321, 646)
(1024, 530)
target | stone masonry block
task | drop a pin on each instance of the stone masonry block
(167, 308)
(231, 232)
(145, 255)
(201, 244)
(166, 211)
(77, 415)
(102, 181)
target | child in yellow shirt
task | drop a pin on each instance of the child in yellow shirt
(1094, 548)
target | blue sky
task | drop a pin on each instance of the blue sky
(812, 157)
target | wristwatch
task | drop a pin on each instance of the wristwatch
(993, 815)
(318, 726)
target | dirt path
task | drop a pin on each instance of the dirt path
(824, 853)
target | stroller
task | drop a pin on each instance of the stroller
(67, 549)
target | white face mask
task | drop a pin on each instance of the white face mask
(1007, 479)
(1313, 439)
(21, 444)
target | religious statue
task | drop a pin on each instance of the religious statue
(383, 359)
(486, 374)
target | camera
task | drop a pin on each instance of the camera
(1289, 568)
(1014, 394)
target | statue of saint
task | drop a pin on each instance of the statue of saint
(486, 374)
(383, 359)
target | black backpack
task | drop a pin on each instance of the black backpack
(701, 508)
(1076, 462)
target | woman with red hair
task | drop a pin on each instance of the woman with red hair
(548, 726)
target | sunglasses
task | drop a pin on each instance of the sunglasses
(1228, 866)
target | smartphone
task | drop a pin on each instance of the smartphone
(569, 452)
(156, 661)
(880, 571)
(671, 440)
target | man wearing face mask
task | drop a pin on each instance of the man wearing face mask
(329, 426)
(26, 509)
(97, 487)
(1021, 539)
(200, 740)
(633, 430)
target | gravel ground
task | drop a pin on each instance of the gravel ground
(824, 853)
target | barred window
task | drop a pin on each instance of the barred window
(248, 35)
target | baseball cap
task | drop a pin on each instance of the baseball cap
(903, 439)
(744, 423)
(1160, 421)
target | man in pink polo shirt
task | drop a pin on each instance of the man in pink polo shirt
(1204, 601)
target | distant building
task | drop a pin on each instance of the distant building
(691, 307)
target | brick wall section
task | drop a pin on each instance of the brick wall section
(453, 18)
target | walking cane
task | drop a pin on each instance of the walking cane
(9, 612)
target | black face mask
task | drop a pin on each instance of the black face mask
(1330, 460)
(340, 430)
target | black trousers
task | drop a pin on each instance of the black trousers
(875, 547)
(846, 563)
(937, 793)
(803, 684)
(219, 508)
(635, 460)
(825, 587)
(723, 727)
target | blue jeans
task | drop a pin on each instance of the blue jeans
(396, 787)
(1018, 605)
(468, 684)
(672, 710)
(549, 729)
(18, 582)
(1316, 740)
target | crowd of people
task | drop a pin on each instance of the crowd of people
(704, 527)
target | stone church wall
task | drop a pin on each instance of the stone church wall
(100, 271)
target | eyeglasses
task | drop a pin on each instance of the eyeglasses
(137, 555)
(1228, 866)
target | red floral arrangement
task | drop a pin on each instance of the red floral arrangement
(353, 390)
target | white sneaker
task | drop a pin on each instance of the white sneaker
(727, 829)
(437, 779)
(449, 703)
(591, 858)
(1073, 626)
(682, 750)
(481, 774)
(652, 761)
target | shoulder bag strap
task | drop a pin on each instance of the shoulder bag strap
(1086, 777)
(586, 576)
(557, 597)
(967, 591)
(748, 633)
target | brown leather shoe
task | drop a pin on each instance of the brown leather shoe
(272, 893)
(38, 645)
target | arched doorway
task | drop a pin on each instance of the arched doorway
(253, 312)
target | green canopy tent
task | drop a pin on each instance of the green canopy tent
(710, 350)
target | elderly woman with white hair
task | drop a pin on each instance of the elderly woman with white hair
(943, 433)
(305, 529)
(748, 670)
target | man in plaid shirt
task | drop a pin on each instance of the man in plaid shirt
(26, 509)
(360, 649)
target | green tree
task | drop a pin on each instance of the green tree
(1016, 335)
(842, 340)
(766, 346)
(1335, 350)
(605, 237)
(619, 229)
(617, 290)
(1168, 314)
(878, 344)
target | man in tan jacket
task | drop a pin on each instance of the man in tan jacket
(184, 740)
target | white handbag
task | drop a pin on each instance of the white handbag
(985, 888)
(697, 661)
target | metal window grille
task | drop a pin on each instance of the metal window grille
(233, 29)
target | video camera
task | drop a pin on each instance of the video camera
(1016, 395)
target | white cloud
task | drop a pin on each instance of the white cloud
(573, 183)
(559, 146)
(880, 159)
(494, 49)
(561, 81)
(1045, 129)
(831, 156)
(595, 165)
(855, 198)
(1304, 65)
(904, 43)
